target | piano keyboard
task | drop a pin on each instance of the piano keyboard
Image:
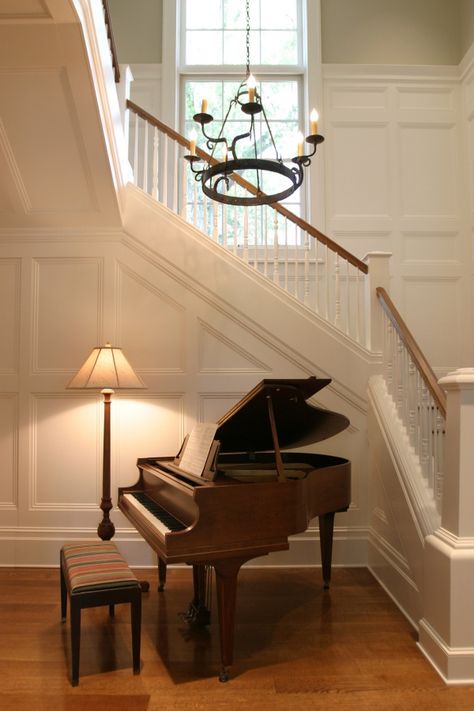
(153, 512)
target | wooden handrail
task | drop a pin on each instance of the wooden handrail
(302, 224)
(411, 345)
(110, 36)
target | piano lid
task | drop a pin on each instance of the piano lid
(246, 427)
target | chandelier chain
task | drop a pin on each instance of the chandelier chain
(247, 36)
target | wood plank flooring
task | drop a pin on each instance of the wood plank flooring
(297, 647)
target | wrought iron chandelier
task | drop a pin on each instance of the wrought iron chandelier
(217, 175)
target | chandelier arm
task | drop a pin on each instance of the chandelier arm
(238, 138)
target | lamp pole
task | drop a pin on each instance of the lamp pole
(106, 528)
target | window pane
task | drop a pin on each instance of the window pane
(280, 99)
(235, 15)
(235, 47)
(199, 19)
(203, 47)
(279, 47)
(279, 14)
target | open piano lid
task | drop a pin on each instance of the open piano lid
(247, 426)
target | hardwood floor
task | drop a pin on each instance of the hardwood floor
(297, 647)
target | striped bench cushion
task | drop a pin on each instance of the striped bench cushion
(95, 566)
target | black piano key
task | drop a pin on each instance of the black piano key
(166, 518)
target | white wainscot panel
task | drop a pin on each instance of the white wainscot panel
(357, 97)
(146, 87)
(359, 169)
(220, 354)
(144, 426)
(433, 309)
(151, 326)
(429, 170)
(65, 453)
(8, 449)
(428, 247)
(68, 316)
(213, 405)
(9, 314)
(441, 99)
(48, 130)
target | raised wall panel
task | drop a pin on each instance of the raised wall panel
(213, 405)
(145, 426)
(425, 247)
(218, 353)
(65, 469)
(8, 449)
(428, 171)
(349, 98)
(67, 308)
(360, 173)
(151, 325)
(9, 314)
(434, 309)
(24, 10)
(436, 99)
(53, 136)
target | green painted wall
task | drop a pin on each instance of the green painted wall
(137, 30)
(392, 31)
(353, 31)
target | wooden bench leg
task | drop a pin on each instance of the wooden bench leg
(75, 640)
(63, 595)
(136, 619)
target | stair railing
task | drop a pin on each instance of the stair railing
(282, 246)
(419, 400)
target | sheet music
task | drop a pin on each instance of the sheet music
(197, 448)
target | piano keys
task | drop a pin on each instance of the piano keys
(251, 496)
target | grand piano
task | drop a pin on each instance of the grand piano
(248, 499)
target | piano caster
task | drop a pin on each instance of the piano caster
(144, 586)
(224, 675)
(197, 615)
(161, 587)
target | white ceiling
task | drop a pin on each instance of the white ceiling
(54, 168)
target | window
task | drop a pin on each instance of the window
(212, 65)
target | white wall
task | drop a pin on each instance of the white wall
(395, 156)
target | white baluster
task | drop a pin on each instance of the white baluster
(327, 282)
(348, 298)
(276, 275)
(316, 276)
(265, 244)
(337, 292)
(135, 151)
(286, 253)
(215, 222)
(154, 179)
(165, 171)
(245, 253)
(145, 158)
(204, 214)
(255, 245)
(306, 270)
(236, 231)
(174, 201)
(184, 190)
(195, 204)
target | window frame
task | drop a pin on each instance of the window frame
(312, 78)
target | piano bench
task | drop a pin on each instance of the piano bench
(94, 574)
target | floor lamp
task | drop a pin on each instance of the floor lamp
(107, 370)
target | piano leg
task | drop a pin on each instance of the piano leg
(227, 571)
(326, 530)
(161, 574)
(198, 612)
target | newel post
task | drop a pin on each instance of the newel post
(447, 627)
(379, 275)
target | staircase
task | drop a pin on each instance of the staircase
(109, 240)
